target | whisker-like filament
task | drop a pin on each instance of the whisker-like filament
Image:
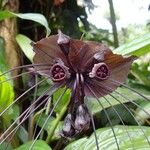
(84, 67)
(55, 105)
(120, 119)
(106, 115)
(104, 88)
(51, 89)
(40, 115)
(124, 85)
(28, 113)
(133, 117)
(131, 101)
(25, 66)
(21, 96)
(30, 131)
(24, 73)
(93, 125)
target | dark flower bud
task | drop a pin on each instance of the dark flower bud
(100, 71)
(64, 42)
(59, 72)
(68, 129)
(82, 121)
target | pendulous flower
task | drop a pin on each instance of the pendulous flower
(85, 67)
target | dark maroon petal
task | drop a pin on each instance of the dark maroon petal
(119, 71)
(75, 53)
(92, 51)
(81, 53)
(81, 57)
(47, 51)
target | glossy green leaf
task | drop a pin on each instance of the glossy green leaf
(6, 88)
(106, 139)
(6, 93)
(25, 44)
(137, 47)
(39, 145)
(39, 18)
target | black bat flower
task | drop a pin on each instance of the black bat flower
(83, 66)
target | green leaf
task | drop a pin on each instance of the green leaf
(137, 47)
(5, 145)
(39, 145)
(142, 73)
(25, 44)
(5, 14)
(122, 112)
(95, 107)
(6, 93)
(6, 98)
(140, 115)
(106, 139)
(40, 120)
(39, 18)
(64, 100)
(14, 112)
(22, 134)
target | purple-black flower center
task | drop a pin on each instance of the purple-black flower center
(57, 72)
(102, 71)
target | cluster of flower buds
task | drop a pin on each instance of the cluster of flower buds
(78, 123)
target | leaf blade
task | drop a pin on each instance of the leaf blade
(106, 139)
(25, 44)
(36, 17)
(137, 47)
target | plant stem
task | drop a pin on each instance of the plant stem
(113, 23)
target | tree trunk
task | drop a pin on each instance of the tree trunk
(8, 30)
